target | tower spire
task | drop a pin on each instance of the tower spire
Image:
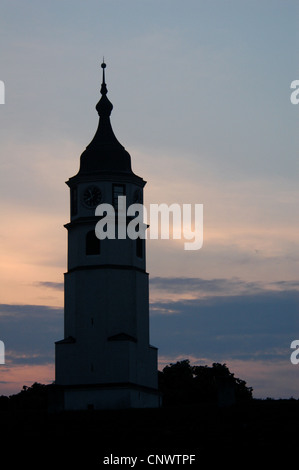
(105, 153)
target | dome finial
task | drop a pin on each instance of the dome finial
(103, 87)
(104, 107)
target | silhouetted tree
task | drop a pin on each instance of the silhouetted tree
(176, 382)
(34, 397)
(182, 383)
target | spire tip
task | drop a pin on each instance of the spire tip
(104, 87)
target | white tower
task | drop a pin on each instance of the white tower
(105, 359)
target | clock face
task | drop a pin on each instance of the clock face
(92, 196)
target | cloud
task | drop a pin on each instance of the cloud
(208, 286)
(243, 323)
(17, 375)
(195, 288)
(51, 285)
(29, 333)
(251, 333)
(225, 318)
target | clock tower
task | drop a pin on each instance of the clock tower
(105, 360)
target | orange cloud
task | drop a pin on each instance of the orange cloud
(14, 377)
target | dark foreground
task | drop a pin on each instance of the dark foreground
(260, 431)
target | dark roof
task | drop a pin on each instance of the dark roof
(105, 153)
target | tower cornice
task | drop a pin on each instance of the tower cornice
(106, 176)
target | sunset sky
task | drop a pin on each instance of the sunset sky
(201, 95)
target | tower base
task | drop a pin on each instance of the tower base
(102, 397)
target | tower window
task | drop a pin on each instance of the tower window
(139, 247)
(92, 243)
(117, 190)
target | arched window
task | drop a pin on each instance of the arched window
(117, 190)
(92, 246)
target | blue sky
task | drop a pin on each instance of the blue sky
(201, 95)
